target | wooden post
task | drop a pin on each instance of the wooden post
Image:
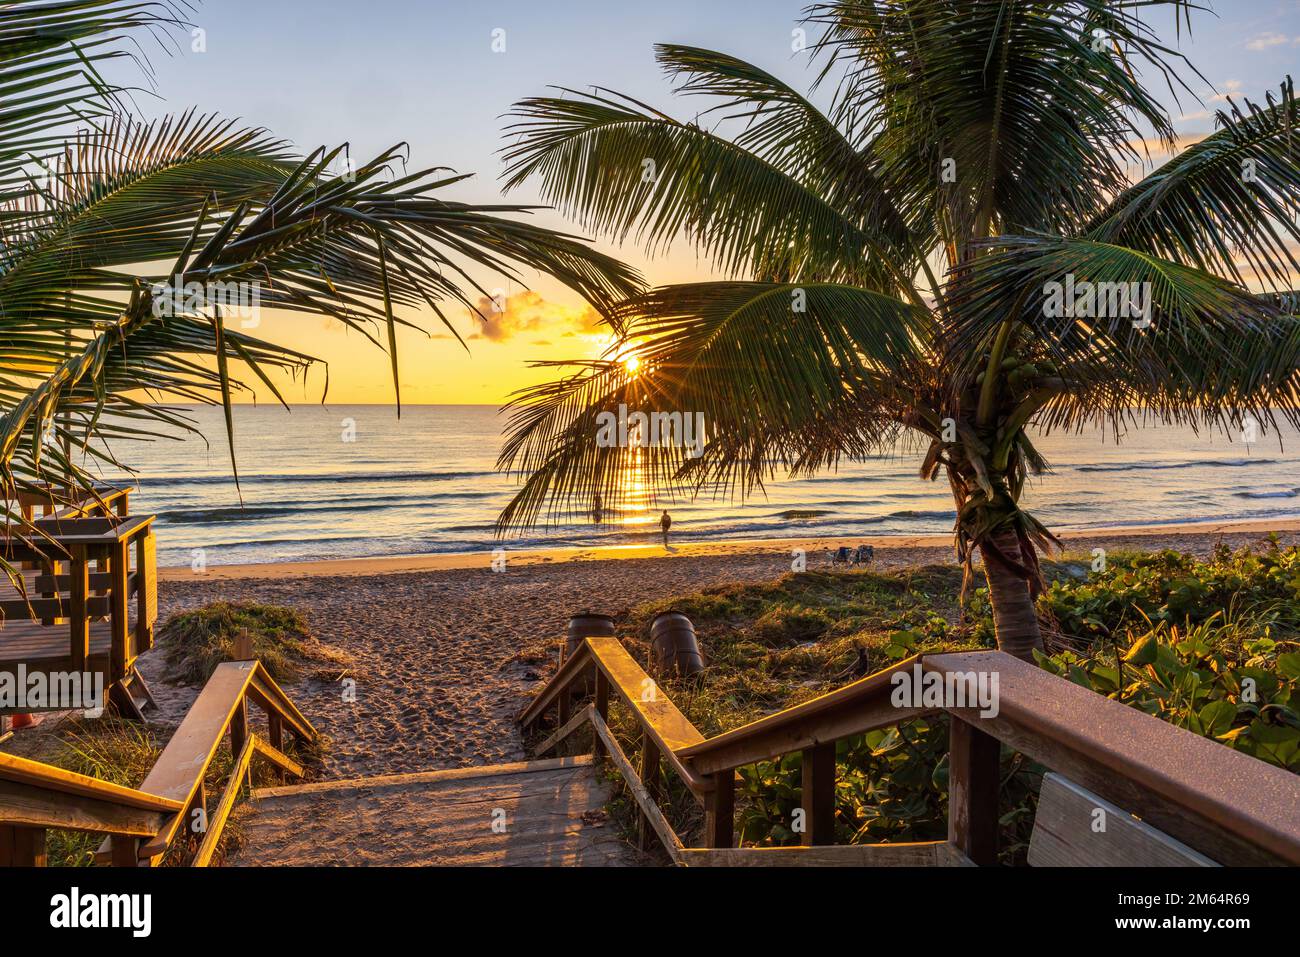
(125, 851)
(602, 709)
(119, 659)
(974, 765)
(52, 569)
(239, 727)
(720, 811)
(200, 803)
(22, 846)
(819, 795)
(275, 731)
(146, 591)
(649, 773)
(79, 617)
(565, 707)
(275, 737)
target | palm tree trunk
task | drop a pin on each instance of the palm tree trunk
(1015, 621)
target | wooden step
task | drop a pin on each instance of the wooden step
(529, 814)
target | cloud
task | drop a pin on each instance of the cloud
(1230, 88)
(526, 312)
(1263, 41)
(1156, 147)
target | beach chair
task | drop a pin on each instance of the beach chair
(865, 555)
(841, 556)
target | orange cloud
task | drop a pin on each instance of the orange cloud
(505, 317)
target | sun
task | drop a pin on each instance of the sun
(632, 364)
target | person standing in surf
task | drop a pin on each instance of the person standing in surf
(666, 523)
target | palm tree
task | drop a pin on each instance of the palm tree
(100, 214)
(895, 262)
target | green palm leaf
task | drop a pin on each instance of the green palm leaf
(1229, 201)
(620, 167)
(1212, 353)
(764, 367)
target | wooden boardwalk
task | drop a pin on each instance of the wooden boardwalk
(540, 813)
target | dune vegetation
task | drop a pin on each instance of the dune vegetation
(1211, 645)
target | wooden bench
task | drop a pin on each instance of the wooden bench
(1076, 828)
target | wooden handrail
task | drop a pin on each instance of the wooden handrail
(35, 797)
(577, 665)
(270, 697)
(853, 709)
(220, 708)
(62, 502)
(666, 727)
(143, 823)
(56, 780)
(1235, 808)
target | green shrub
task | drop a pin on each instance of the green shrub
(195, 642)
(1223, 678)
(1178, 589)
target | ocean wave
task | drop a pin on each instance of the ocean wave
(308, 478)
(1284, 493)
(252, 513)
(1161, 466)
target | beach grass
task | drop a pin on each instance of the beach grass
(195, 642)
(123, 752)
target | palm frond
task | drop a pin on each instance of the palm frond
(1012, 98)
(1228, 204)
(768, 368)
(621, 168)
(1118, 333)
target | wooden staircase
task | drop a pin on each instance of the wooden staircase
(143, 825)
(533, 814)
(1174, 796)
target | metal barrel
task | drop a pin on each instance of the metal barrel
(675, 647)
(587, 625)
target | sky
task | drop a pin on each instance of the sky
(426, 73)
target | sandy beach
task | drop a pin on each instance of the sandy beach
(447, 651)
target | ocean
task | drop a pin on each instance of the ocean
(353, 481)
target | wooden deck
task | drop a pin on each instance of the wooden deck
(47, 647)
(546, 813)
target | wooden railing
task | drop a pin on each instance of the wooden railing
(59, 501)
(84, 576)
(143, 823)
(1232, 807)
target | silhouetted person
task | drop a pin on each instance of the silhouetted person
(597, 509)
(666, 523)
